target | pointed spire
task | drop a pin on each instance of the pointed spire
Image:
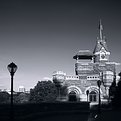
(101, 40)
(100, 30)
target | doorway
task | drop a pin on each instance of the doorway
(93, 96)
(72, 96)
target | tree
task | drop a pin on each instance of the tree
(112, 90)
(4, 97)
(43, 91)
(117, 96)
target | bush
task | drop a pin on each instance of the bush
(4, 97)
(43, 91)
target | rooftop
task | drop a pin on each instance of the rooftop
(83, 54)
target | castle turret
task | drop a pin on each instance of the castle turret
(83, 60)
(58, 77)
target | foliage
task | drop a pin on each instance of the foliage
(4, 97)
(43, 91)
(21, 97)
(117, 96)
(112, 90)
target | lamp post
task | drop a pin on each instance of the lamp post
(12, 69)
(87, 92)
(99, 83)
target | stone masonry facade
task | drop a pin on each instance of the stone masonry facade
(89, 68)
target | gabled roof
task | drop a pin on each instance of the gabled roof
(99, 45)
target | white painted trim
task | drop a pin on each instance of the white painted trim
(91, 88)
(74, 88)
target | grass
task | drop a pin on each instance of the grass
(46, 111)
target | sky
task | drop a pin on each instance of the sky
(42, 36)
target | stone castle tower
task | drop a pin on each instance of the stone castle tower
(89, 68)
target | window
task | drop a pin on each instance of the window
(92, 96)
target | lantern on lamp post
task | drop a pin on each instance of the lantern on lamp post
(12, 67)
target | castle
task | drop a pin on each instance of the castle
(90, 67)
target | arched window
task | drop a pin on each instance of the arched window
(72, 96)
(92, 96)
